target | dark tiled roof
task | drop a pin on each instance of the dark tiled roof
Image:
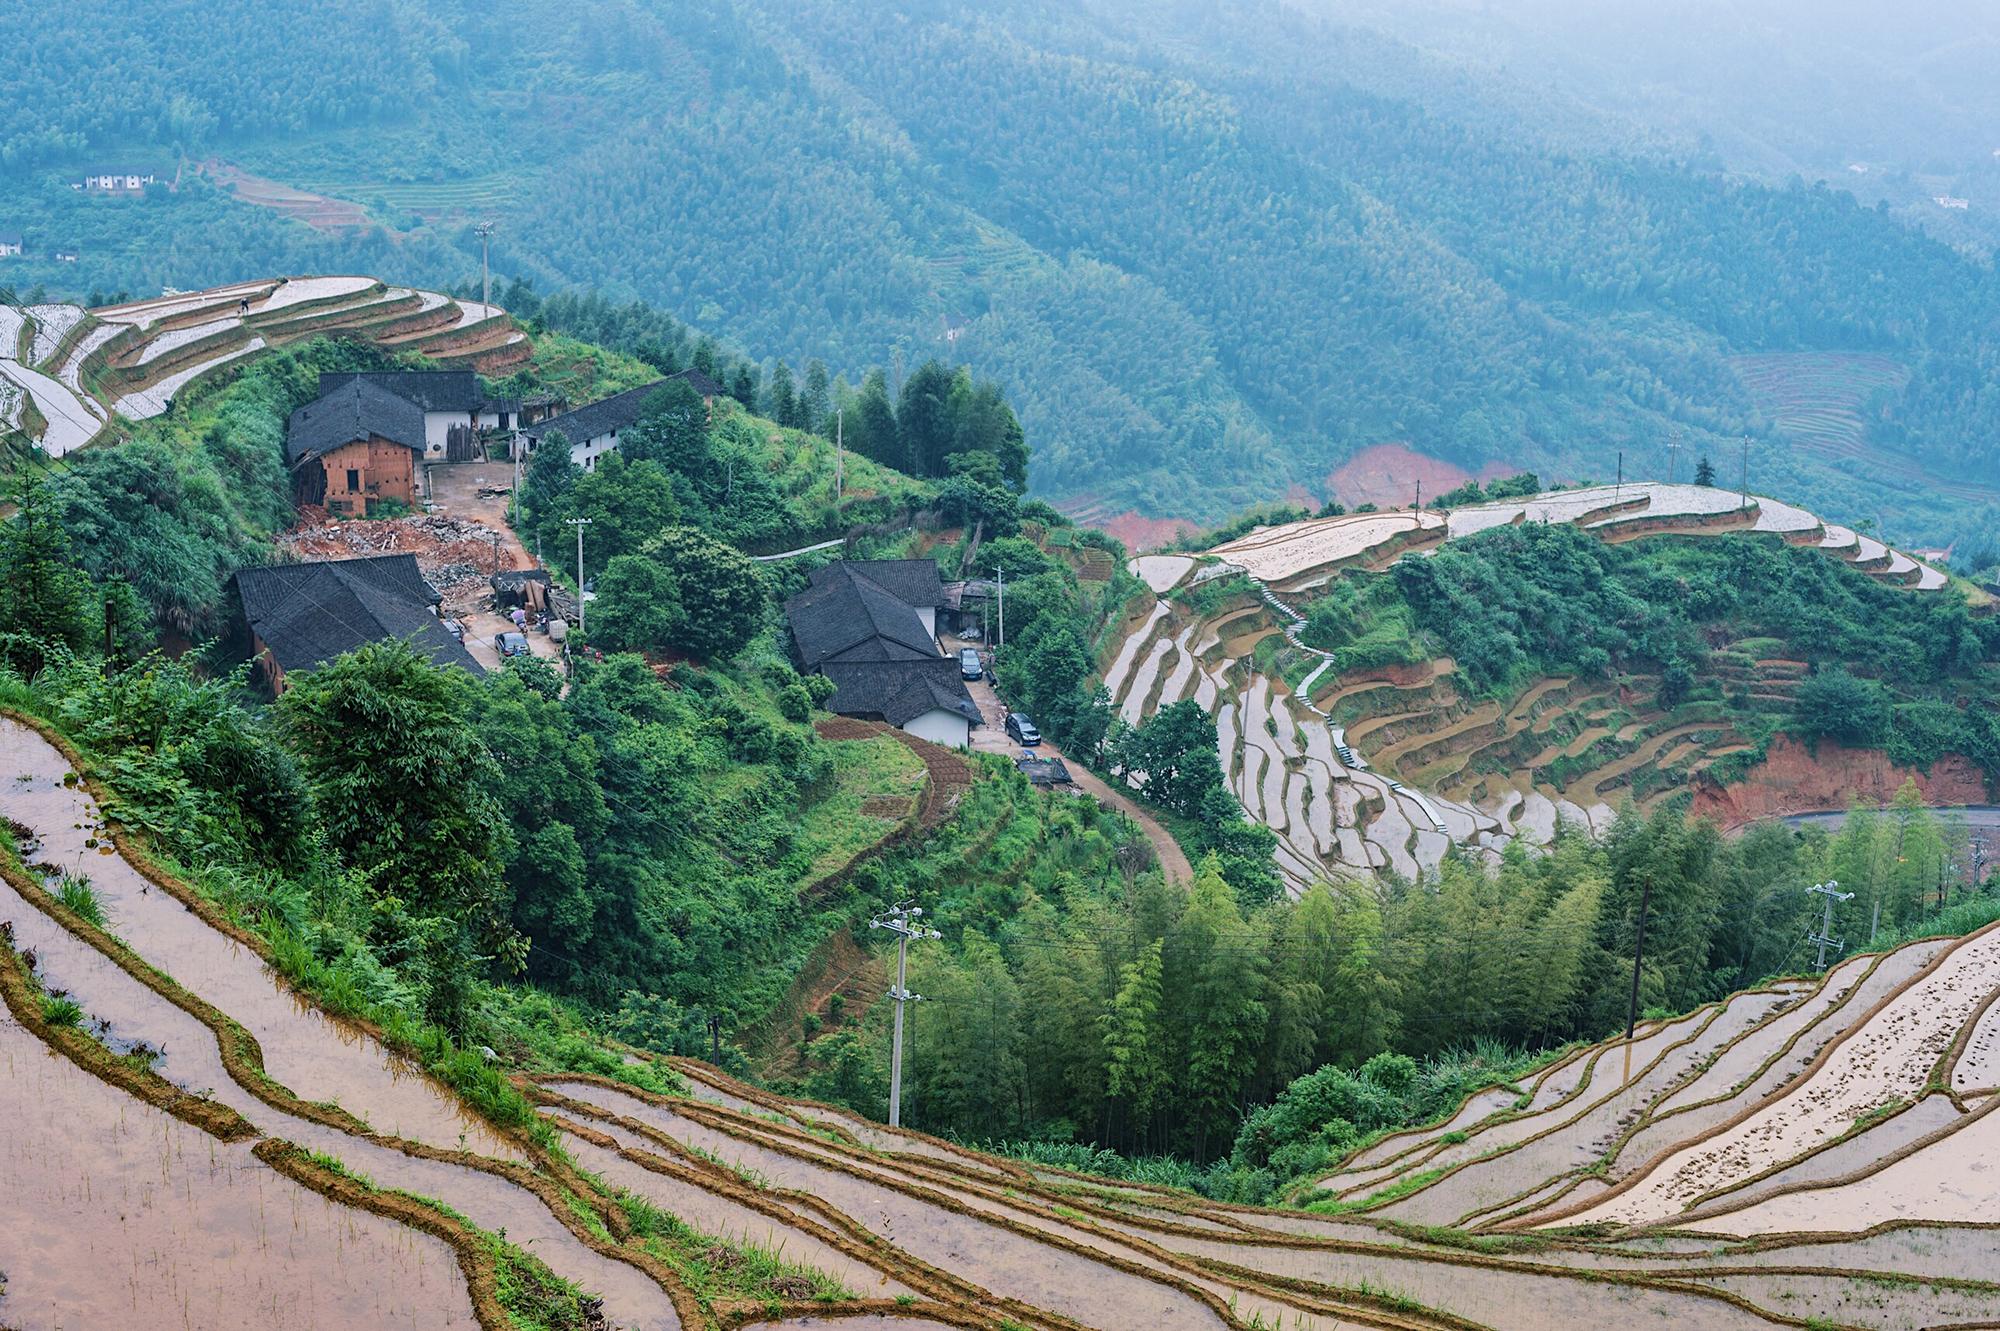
(608, 415)
(307, 614)
(10, 238)
(601, 417)
(699, 382)
(899, 691)
(355, 410)
(431, 390)
(911, 581)
(848, 616)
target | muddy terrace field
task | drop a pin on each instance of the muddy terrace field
(190, 1144)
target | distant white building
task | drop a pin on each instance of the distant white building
(122, 180)
(1952, 201)
(10, 244)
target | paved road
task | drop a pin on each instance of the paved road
(991, 737)
(1975, 815)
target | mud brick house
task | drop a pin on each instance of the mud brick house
(593, 431)
(868, 625)
(355, 448)
(304, 615)
(455, 407)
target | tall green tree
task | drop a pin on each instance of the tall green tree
(48, 598)
(924, 422)
(1216, 974)
(402, 785)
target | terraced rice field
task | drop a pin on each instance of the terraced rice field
(1380, 770)
(1790, 1148)
(136, 357)
(185, 1209)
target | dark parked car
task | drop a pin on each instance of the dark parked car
(511, 644)
(968, 663)
(1021, 729)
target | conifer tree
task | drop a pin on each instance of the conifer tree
(817, 401)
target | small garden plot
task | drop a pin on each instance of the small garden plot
(122, 1216)
(876, 785)
(1889, 1057)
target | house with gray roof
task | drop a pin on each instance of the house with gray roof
(858, 623)
(355, 448)
(304, 615)
(593, 430)
(452, 401)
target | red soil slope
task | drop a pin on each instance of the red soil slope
(1386, 475)
(1794, 779)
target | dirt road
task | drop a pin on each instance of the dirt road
(991, 737)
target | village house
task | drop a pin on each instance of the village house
(10, 244)
(303, 615)
(116, 180)
(869, 626)
(355, 448)
(455, 408)
(67, 254)
(593, 431)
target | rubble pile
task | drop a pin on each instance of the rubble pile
(456, 556)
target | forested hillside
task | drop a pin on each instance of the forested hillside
(1209, 254)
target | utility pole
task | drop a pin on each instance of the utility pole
(579, 524)
(1673, 448)
(839, 450)
(485, 233)
(901, 920)
(1746, 471)
(1638, 954)
(1420, 504)
(1001, 574)
(1830, 889)
(1618, 490)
